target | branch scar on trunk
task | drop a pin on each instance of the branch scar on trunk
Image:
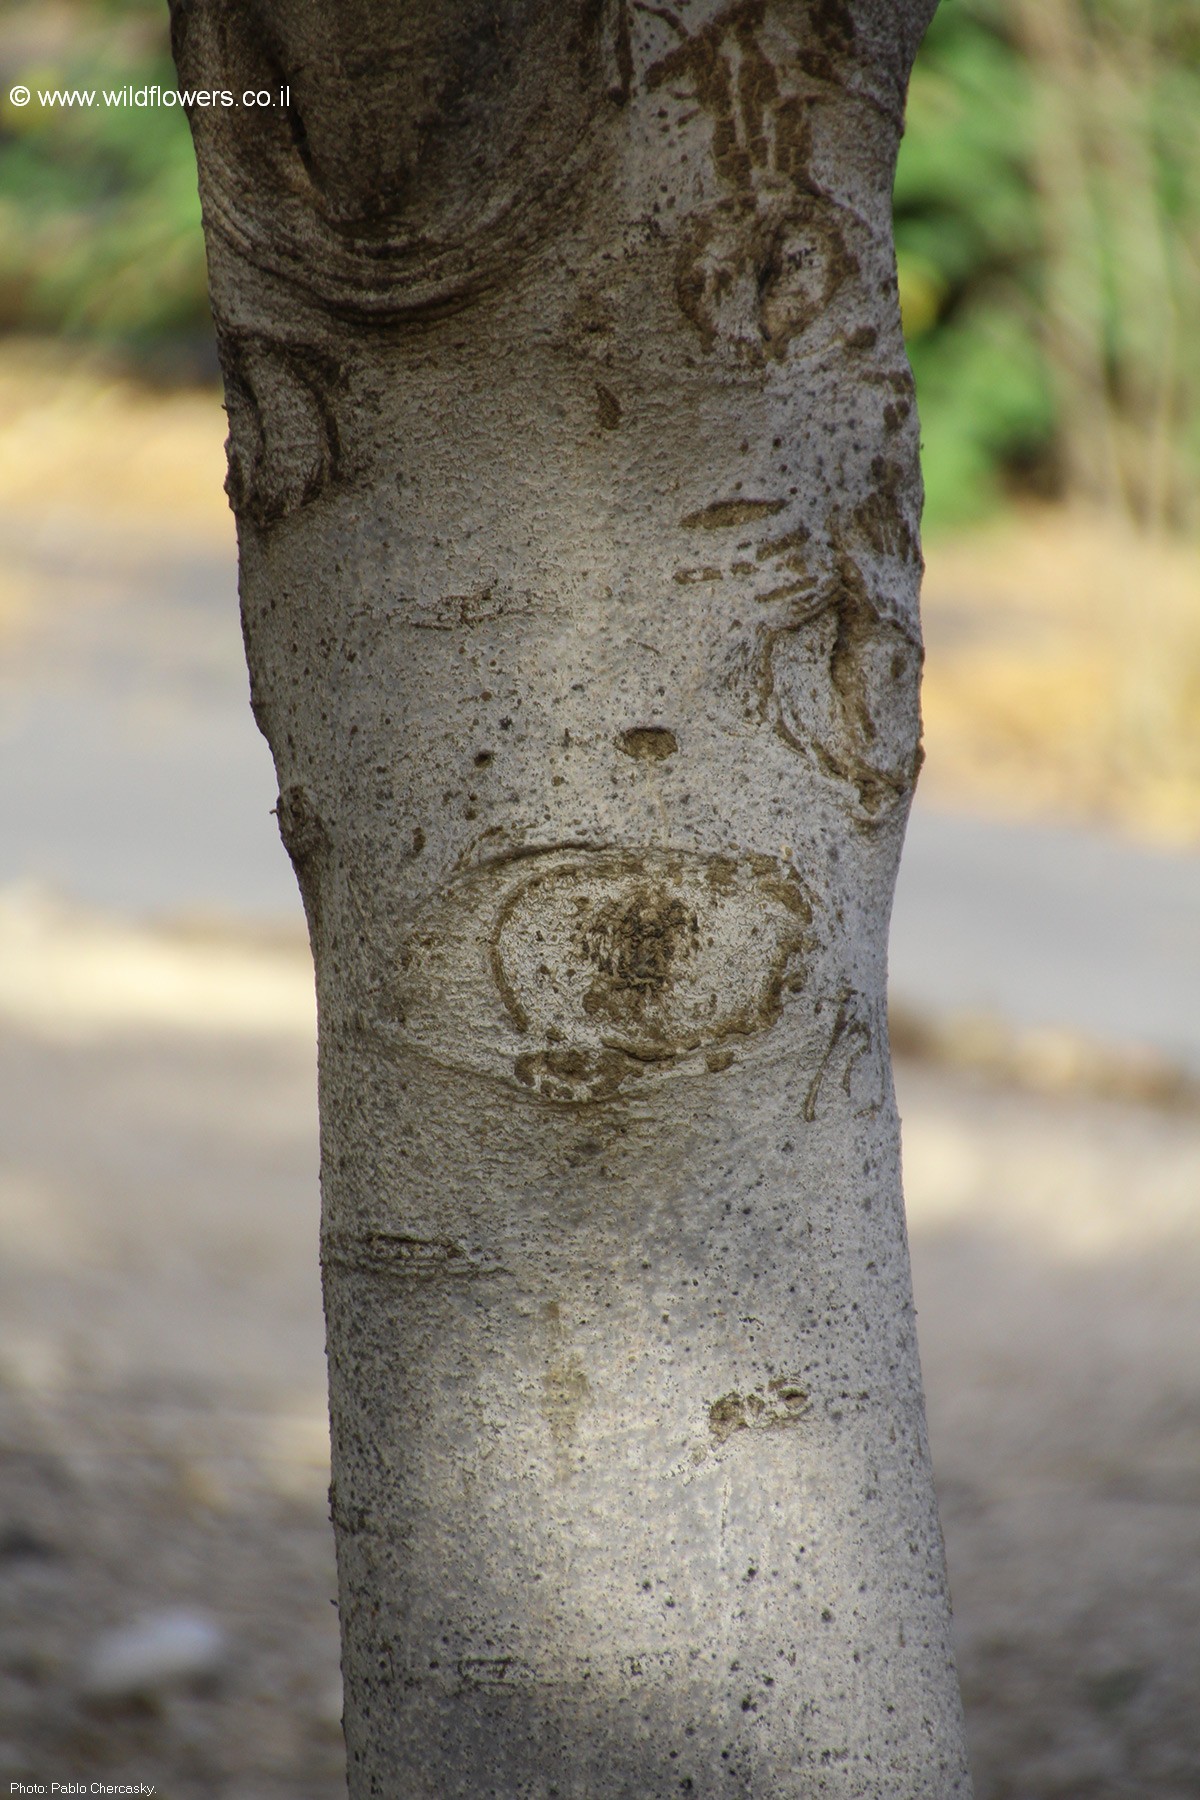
(595, 969)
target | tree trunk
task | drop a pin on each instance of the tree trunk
(574, 456)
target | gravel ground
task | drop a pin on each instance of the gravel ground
(163, 1443)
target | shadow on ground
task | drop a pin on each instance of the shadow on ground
(160, 1413)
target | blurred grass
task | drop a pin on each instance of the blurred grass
(1048, 240)
(99, 216)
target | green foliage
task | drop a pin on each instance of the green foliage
(1048, 244)
(967, 252)
(99, 216)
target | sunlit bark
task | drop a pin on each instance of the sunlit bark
(574, 456)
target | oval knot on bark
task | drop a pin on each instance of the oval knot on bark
(576, 972)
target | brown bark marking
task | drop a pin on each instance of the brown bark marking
(838, 674)
(826, 674)
(284, 446)
(721, 514)
(898, 379)
(586, 969)
(306, 840)
(700, 60)
(633, 943)
(857, 1039)
(868, 657)
(492, 1672)
(648, 743)
(779, 1406)
(881, 520)
(623, 51)
(573, 1075)
(608, 408)
(807, 262)
(788, 590)
(784, 548)
(301, 827)
(396, 1256)
(761, 266)
(637, 944)
(454, 612)
(832, 40)
(854, 636)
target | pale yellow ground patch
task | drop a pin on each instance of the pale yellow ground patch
(79, 438)
(1063, 674)
(73, 976)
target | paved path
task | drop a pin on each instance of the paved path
(1048, 926)
(132, 777)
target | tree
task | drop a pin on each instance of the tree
(574, 457)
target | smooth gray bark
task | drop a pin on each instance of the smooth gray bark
(575, 462)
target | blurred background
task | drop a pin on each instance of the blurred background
(165, 1565)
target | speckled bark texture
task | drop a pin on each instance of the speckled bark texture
(573, 450)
